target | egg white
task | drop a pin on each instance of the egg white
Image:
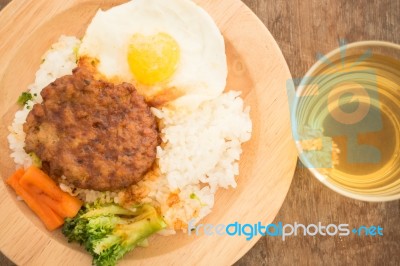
(202, 69)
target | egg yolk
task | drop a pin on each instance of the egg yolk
(153, 59)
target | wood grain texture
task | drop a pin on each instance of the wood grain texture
(29, 28)
(303, 28)
(4, 261)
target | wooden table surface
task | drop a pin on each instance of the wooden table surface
(303, 28)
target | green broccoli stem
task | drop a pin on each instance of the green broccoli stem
(111, 209)
(136, 232)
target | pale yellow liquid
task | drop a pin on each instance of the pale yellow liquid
(378, 74)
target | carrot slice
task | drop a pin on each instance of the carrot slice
(50, 219)
(59, 201)
(36, 177)
(64, 208)
(15, 177)
(70, 204)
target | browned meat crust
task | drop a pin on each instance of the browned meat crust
(98, 135)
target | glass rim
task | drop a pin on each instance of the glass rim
(316, 173)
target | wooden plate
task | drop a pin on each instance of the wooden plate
(256, 67)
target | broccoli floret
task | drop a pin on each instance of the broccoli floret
(109, 231)
(35, 160)
(24, 98)
(194, 196)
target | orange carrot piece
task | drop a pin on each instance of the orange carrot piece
(64, 208)
(59, 201)
(14, 178)
(71, 205)
(36, 177)
(50, 219)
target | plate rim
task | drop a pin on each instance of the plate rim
(52, 243)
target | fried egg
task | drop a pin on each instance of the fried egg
(171, 50)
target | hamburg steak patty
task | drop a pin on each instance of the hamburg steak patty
(98, 135)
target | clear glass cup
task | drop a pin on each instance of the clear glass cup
(345, 117)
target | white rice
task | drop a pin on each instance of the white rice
(204, 145)
(199, 153)
(57, 62)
